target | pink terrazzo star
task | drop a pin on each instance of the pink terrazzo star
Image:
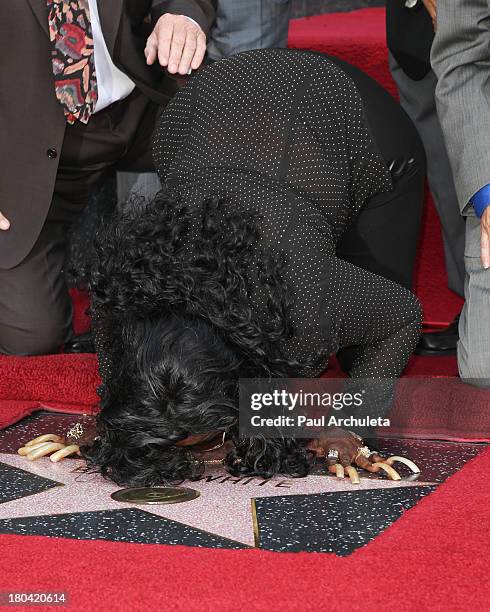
(224, 507)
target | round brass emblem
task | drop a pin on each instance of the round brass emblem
(155, 495)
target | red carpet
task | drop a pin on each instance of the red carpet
(432, 558)
(68, 383)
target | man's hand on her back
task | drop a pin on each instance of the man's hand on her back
(4, 223)
(485, 238)
(178, 43)
(430, 5)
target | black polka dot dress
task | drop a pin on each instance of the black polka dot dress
(283, 132)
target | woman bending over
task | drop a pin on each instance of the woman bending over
(292, 187)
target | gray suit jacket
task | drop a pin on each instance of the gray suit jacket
(242, 25)
(461, 60)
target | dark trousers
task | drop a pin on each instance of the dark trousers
(384, 237)
(35, 309)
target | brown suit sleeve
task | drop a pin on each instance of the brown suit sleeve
(202, 11)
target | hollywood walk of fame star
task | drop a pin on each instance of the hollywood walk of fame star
(223, 509)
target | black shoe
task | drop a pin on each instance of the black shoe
(439, 343)
(84, 343)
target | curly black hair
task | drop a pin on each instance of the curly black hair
(176, 326)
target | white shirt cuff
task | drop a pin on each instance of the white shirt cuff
(193, 21)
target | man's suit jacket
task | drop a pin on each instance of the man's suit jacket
(32, 122)
(461, 60)
(242, 25)
(409, 35)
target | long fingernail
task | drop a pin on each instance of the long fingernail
(4, 224)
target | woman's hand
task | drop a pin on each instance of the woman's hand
(49, 444)
(340, 440)
(59, 447)
(341, 449)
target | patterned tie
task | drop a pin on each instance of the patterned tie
(73, 57)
